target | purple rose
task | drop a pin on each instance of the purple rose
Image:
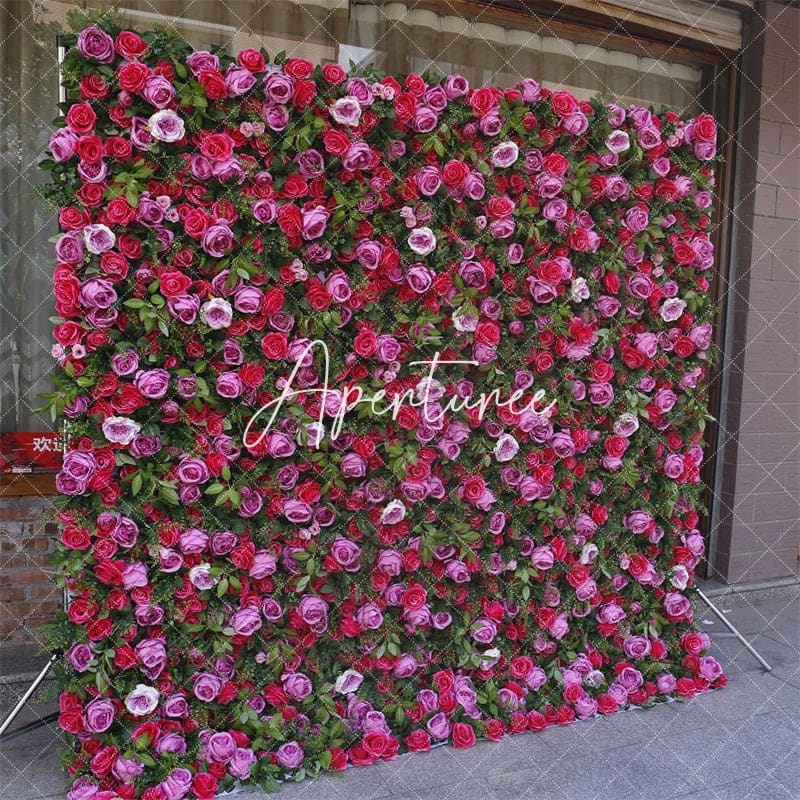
(158, 91)
(217, 240)
(314, 612)
(165, 126)
(152, 383)
(62, 144)
(98, 716)
(246, 621)
(201, 60)
(220, 747)
(192, 470)
(96, 44)
(206, 686)
(289, 755)
(346, 553)
(369, 617)
(142, 701)
(315, 220)
(297, 685)
(346, 111)
(120, 430)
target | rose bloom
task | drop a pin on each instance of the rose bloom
(346, 111)
(143, 700)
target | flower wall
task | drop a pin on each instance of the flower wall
(385, 402)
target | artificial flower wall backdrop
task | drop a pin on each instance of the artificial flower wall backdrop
(385, 403)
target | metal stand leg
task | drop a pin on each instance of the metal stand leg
(734, 631)
(28, 694)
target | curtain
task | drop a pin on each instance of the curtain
(28, 98)
(491, 49)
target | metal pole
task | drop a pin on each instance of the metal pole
(735, 632)
(27, 696)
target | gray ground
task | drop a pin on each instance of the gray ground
(740, 743)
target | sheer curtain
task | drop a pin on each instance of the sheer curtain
(489, 48)
(28, 98)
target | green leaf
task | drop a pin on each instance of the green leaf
(136, 483)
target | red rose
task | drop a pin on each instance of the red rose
(90, 148)
(99, 629)
(448, 702)
(408, 418)
(365, 344)
(544, 362)
(298, 68)
(290, 220)
(555, 164)
(463, 735)
(80, 611)
(499, 206)
(119, 212)
(692, 643)
(252, 375)
(333, 73)
(375, 743)
(564, 104)
(685, 687)
(483, 100)
(303, 94)
(455, 172)
(130, 45)
(274, 346)
(414, 597)
(273, 300)
(174, 283)
(213, 84)
(336, 142)
(204, 785)
(639, 565)
(338, 759)
(103, 760)
(544, 617)
(683, 347)
(444, 680)
(217, 147)
(705, 129)
(81, 118)
(318, 297)
(251, 60)
(683, 252)
(550, 271)
(494, 729)
(578, 240)
(606, 704)
(133, 76)
(295, 186)
(76, 538)
(93, 87)
(521, 666)
(71, 721)
(418, 741)
(474, 487)
(196, 223)
(616, 446)
(405, 106)
(537, 721)
(125, 657)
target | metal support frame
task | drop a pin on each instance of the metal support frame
(724, 620)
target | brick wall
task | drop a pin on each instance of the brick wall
(27, 597)
(759, 491)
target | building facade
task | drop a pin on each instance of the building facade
(736, 59)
